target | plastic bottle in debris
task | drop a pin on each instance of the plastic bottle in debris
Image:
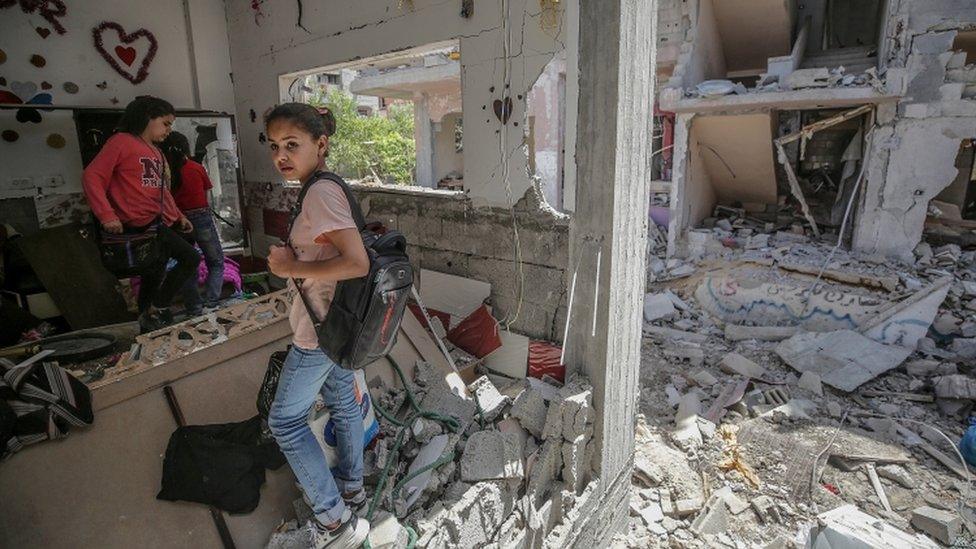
(967, 446)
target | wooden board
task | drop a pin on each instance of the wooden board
(70, 268)
(424, 342)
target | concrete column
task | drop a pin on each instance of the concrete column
(616, 91)
(423, 132)
(570, 105)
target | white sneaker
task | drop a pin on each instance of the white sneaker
(350, 534)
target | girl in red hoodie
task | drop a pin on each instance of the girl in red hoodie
(127, 187)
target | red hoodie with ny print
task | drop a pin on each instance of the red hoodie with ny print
(124, 180)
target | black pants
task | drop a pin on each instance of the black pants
(158, 287)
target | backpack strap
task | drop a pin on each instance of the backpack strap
(354, 208)
(357, 216)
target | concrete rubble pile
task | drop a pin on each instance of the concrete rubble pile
(794, 395)
(510, 476)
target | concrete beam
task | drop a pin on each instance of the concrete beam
(609, 229)
(817, 98)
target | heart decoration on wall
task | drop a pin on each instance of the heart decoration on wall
(25, 93)
(51, 10)
(503, 109)
(125, 57)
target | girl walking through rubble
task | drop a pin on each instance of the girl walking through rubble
(324, 247)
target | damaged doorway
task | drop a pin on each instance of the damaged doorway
(398, 116)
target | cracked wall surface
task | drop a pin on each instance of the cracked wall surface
(912, 157)
(497, 62)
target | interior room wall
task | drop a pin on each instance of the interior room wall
(72, 57)
(738, 154)
(707, 58)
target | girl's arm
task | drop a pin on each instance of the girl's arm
(96, 179)
(352, 261)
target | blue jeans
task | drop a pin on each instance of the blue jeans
(305, 374)
(208, 239)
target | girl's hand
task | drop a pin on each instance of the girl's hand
(184, 225)
(113, 227)
(281, 260)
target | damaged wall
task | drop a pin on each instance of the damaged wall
(738, 152)
(271, 44)
(446, 232)
(473, 236)
(913, 153)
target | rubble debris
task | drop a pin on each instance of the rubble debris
(713, 518)
(429, 453)
(939, 524)
(897, 474)
(530, 410)
(810, 381)
(844, 359)
(736, 332)
(680, 350)
(688, 506)
(766, 509)
(490, 401)
(385, 532)
(734, 363)
(686, 433)
(492, 455)
(956, 386)
(658, 306)
(929, 368)
(847, 526)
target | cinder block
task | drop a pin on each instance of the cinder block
(942, 525)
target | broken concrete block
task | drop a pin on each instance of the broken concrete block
(576, 463)
(964, 347)
(491, 455)
(847, 526)
(954, 407)
(810, 381)
(680, 350)
(687, 506)
(941, 525)
(651, 514)
(955, 387)
(489, 399)
(648, 472)
(896, 473)
(734, 363)
(530, 409)
(736, 505)
(703, 378)
(766, 509)
(385, 532)
(928, 368)
(844, 359)
(713, 518)
(658, 306)
(473, 521)
(667, 507)
(544, 471)
(808, 78)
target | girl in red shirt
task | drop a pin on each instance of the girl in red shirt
(189, 188)
(127, 189)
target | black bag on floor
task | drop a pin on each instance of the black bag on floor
(364, 318)
(39, 401)
(221, 465)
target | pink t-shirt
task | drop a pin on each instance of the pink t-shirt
(325, 210)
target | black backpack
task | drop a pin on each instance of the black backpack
(364, 318)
